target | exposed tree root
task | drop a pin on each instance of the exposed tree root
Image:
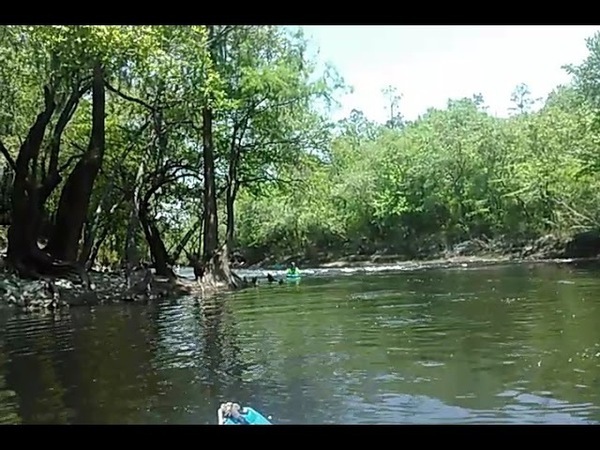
(36, 264)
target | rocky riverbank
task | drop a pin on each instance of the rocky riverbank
(584, 245)
(104, 288)
(144, 286)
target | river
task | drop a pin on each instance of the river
(502, 344)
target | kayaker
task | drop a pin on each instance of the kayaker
(233, 412)
(293, 270)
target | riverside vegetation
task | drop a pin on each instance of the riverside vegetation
(127, 148)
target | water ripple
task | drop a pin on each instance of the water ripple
(494, 345)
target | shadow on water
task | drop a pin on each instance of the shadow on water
(35, 369)
(86, 366)
(9, 402)
(119, 364)
(511, 344)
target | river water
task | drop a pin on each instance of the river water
(503, 344)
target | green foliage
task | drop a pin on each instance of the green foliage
(303, 184)
(262, 88)
(452, 175)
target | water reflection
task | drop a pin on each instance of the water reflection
(197, 361)
(87, 366)
(36, 345)
(9, 402)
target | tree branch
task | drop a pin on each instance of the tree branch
(63, 120)
(292, 141)
(9, 159)
(265, 178)
(128, 97)
(69, 161)
(160, 182)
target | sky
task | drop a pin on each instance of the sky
(430, 64)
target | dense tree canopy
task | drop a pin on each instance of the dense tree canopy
(451, 175)
(173, 142)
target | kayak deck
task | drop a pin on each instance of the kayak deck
(244, 416)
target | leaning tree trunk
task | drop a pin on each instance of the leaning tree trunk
(75, 196)
(91, 244)
(24, 254)
(25, 211)
(138, 281)
(158, 251)
(89, 236)
(90, 259)
(176, 251)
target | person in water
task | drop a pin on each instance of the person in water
(293, 270)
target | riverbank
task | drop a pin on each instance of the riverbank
(551, 248)
(144, 287)
(104, 288)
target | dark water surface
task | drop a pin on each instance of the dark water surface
(516, 344)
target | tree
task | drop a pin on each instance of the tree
(63, 58)
(393, 106)
(522, 100)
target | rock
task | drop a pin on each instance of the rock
(469, 248)
(50, 294)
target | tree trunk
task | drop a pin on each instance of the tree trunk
(24, 254)
(211, 238)
(99, 220)
(89, 236)
(158, 251)
(232, 185)
(90, 260)
(132, 256)
(215, 262)
(230, 206)
(52, 176)
(200, 236)
(75, 196)
(175, 253)
(25, 212)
